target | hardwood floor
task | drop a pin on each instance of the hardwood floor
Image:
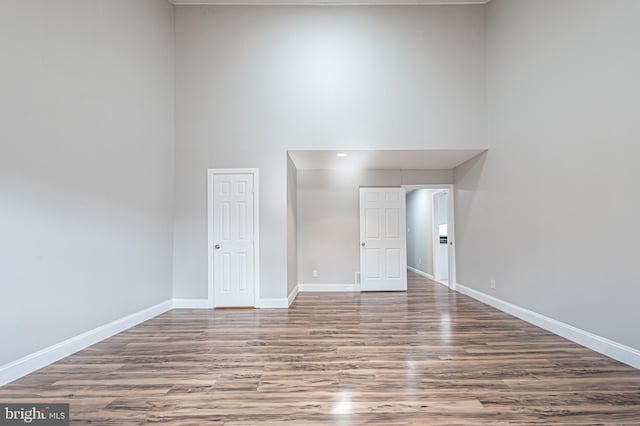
(426, 357)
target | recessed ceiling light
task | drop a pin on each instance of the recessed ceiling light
(342, 154)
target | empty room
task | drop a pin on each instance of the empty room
(327, 212)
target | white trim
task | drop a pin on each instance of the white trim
(435, 234)
(421, 273)
(428, 276)
(37, 360)
(191, 304)
(615, 350)
(328, 287)
(275, 303)
(330, 3)
(451, 229)
(292, 296)
(444, 283)
(256, 230)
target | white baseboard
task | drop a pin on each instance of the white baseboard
(421, 273)
(328, 287)
(191, 304)
(428, 276)
(30, 363)
(274, 303)
(615, 350)
(292, 296)
(35, 361)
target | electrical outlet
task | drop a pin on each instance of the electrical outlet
(314, 273)
(419, 261)
(493, 283)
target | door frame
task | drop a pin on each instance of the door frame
(450, 229)
(436, 234)
(256, 230)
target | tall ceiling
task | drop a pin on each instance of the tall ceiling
(328, 2)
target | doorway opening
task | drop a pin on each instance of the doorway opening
(430, 232)
(326, 223)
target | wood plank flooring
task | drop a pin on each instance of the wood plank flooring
(426, 357)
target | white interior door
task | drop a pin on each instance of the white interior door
(383, 239)
(233, 237)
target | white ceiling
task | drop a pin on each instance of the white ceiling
(328, 2)
(433, 159)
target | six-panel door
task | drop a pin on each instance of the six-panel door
(383, 248)
(233, 235)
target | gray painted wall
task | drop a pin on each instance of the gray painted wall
(86, 151)
(420, 230)
(86, 166)
(551, 211)
(254, 82)
(329, 218)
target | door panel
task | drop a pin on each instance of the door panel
(392, 223)
(373, 264)
(225, 265)
(393, 264)
(372, 223)
(383, 253)
(233, 237)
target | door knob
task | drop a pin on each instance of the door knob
(217, 246)
(363, 244)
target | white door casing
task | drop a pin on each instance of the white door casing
(383, 245)
(450, 226)
(440, 203)
(233, 239)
